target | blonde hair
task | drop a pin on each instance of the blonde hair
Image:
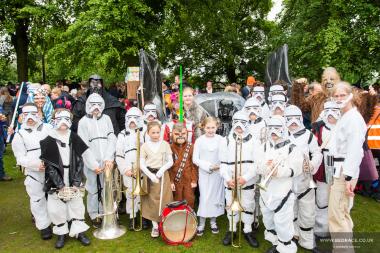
(188, 89)
(342, 85)
(153, 124)
(56, 91)
(210, 119)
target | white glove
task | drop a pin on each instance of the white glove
(160, 173)
(155, 179)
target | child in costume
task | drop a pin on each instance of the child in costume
(63, 153)
(183, 174)
(207, 155)
(155, 160)
(27, 150)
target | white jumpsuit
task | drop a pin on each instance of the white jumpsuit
(126, 148)
(99, 136)
(277, 200)
(304, 207)
(27, 150)
(248, 172)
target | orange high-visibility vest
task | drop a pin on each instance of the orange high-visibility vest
(374, 129)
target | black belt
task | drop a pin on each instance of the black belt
(339, 159)
(249, 187)
(285, 243)
(153, 170)
(324, 149)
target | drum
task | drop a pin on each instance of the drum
(178, 224)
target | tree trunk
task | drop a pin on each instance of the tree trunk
(20, 42)
(231, 75)
(43, 68)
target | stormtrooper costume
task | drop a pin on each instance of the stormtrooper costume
(98, 134)
(63, 153)
(259, 93)
(277, 199)
(304, 207)
(324, 175)
(26, 148)
(150, 111)
(248, 173)
(278, 104)
(126, 148)
(253, 109)
(275, 90)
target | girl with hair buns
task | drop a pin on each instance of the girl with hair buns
(155, 159)
(206, 156)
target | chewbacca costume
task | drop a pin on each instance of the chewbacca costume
(314, 104)
(189, 174)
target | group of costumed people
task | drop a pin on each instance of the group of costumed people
(300, 181)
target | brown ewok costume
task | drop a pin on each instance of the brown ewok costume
(183, 171)
(314, 103)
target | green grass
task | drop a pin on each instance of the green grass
(18, 234)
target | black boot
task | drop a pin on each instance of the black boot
(227, 240)
(272, 249)
(145, 223)
(251, 240)
(83, 239)
(46, 233)
(60, 242)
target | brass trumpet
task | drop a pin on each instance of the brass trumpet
(264, 184)
(137, 189)
(235, 205)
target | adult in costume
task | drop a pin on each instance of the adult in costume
(347, 148)
(63, 153)
(365, 101)
(26, 148)
(112, 107)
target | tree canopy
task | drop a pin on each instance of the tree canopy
(219, 40)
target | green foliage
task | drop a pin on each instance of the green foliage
(8, 72)
(214, 38)
(218, 40)
(104, 39)
(343, 34)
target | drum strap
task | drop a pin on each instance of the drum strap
(183, 162)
